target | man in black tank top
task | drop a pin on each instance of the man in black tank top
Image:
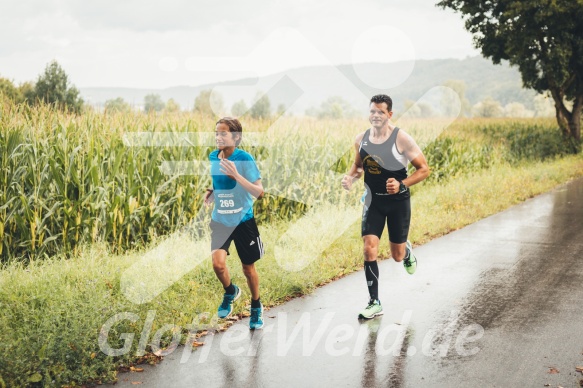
(382, 155)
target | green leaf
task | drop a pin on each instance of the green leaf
(35, 378)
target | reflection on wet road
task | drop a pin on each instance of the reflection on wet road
(496, 304)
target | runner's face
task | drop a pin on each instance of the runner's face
(225, 138)
(379, 115)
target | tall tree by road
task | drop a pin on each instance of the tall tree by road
(542, 38)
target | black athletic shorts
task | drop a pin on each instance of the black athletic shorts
(246, 236)
(395, 212)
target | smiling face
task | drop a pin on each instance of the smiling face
(224, 137)
(379, 114)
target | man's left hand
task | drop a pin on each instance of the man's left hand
(393, 186)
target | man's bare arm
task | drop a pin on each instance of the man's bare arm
(355, 171)
(414, 154)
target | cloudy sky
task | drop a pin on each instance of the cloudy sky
(157, 44)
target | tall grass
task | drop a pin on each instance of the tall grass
(540, 140)
(69, 180)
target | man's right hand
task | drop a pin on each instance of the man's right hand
(347, 182)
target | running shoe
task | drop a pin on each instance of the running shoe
(373, 309)
(410, 262)
(256, 321)
(226, 308)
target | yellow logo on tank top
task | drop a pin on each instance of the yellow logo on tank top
(371, 164)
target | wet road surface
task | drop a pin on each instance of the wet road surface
(496, 304)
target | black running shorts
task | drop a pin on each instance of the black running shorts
(246, 236)
(396, 214)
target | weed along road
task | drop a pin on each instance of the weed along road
(498, 303)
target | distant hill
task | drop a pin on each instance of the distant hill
(316, 83)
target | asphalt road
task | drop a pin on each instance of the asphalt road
(496, 304)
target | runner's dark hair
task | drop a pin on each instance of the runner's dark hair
(380, 98)
(234, 126)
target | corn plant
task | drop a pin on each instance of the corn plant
(70, 180)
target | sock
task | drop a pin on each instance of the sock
(230, 290)
(255, 303)
(407, 254)
(371, 271)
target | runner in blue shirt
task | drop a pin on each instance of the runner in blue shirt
(236, 181)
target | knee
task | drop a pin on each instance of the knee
(249, 271)
(370, 252)
(219, 265)
(398, 253)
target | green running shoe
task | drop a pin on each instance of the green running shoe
(226, 308)
(410, 262)
(373, 309)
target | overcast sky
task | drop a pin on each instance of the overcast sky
(157, 44)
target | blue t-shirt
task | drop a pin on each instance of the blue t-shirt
(233, 204)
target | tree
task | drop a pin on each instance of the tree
(172, 106)
(426, 109)
(418, 109)
(9, 91)
(542, 38)
(209, 104)
(281, 109)
(239, 108)
(449, 106)
(516, 109)
(543, 106)
(53, 87)
(488, 108)
(334, 107)
(262, 107)
(153, 103)
(117, 105)
(27, 90)
(24, 92)
(412, 109)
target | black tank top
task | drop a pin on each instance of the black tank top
(380, 164)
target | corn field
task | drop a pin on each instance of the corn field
(71, 180)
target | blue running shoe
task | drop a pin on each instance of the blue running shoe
(226, 308)
(256, 321)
